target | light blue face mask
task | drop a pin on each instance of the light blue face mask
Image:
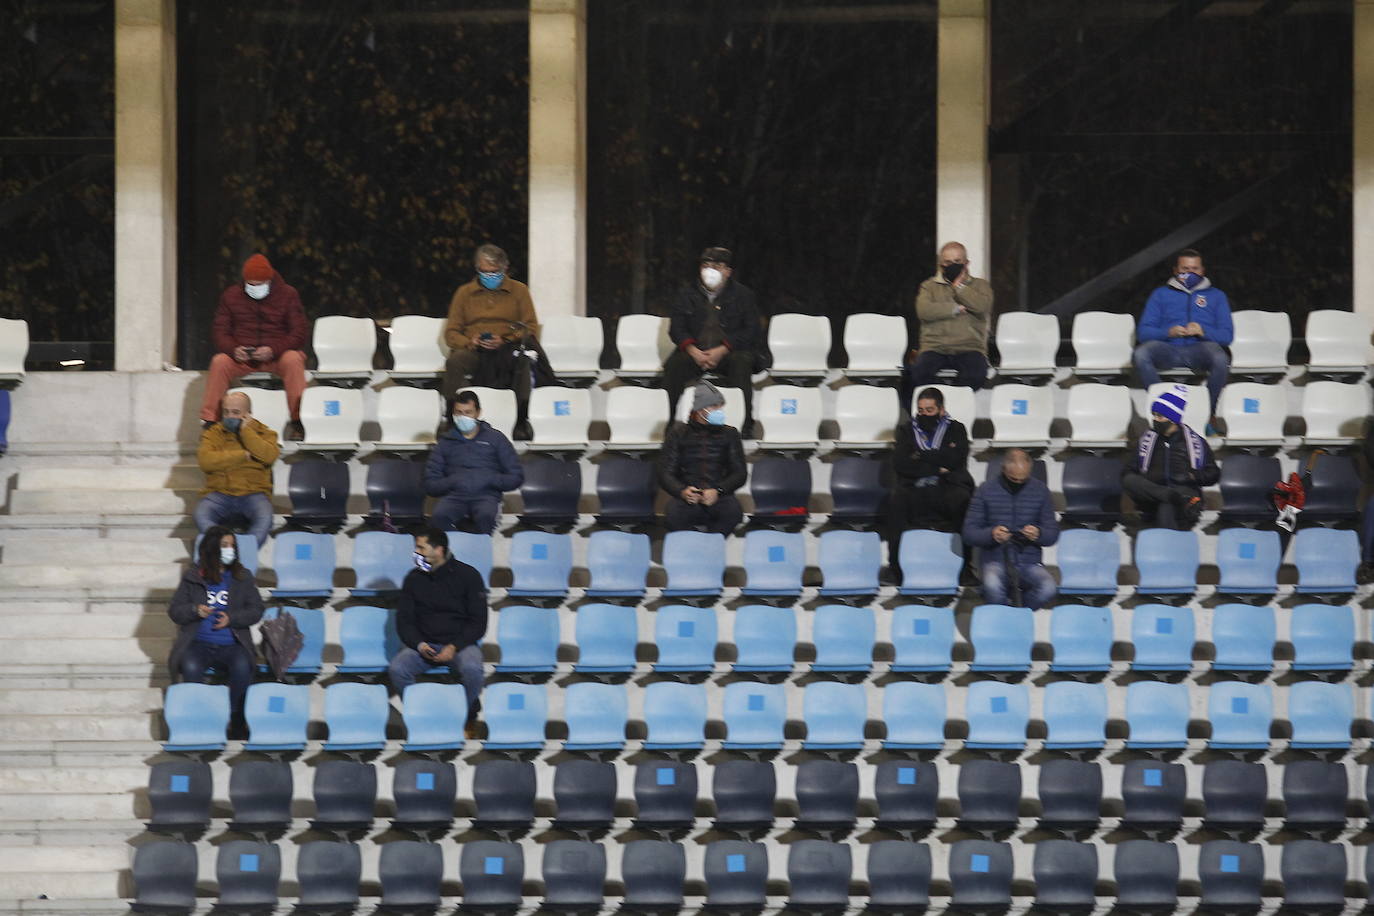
(464, 424)
(491, 280)
(716, 416)
(232, 423)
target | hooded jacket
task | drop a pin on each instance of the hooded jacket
(485, 465)
(1174, 305)
(244, 608)
(995, 504)
(277, 320)
(227, 469)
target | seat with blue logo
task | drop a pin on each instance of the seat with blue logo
(1323, 637)
(606, 636)
(1088, 561)
(1249, 561)
(736, 875)
(1253, 413)
(540, 562)
(1002, 637)
(665, 794)
(304, 564)
(1021, 416)
(695, 564)
(356, 715)
(1163, 637)
(922, 637)
(423, 791)
(765, 637)
(980, 872)
(997, 714)
(1075, 715)
(515, 715)
(1157, 714)
(1243, 637)
(907, 793)
(558, 418)
(1153, 793)
(528, 639)
(197, 717)
(277, 716)
(849, 562)
(550, 493)
(843, 637)
(835, 715)
(618, 562)
(1326, 559)
(1232, 875)
(310, 621)
(781, 489)
(332, 418)
(1082, 638)
(914, 714)
(381, 562)
(754, 715)
(492, 873)
(434, 715)
(1320, 715)
(930, 562)
(788, 415)
(179, 793)
(474, 550)
(1240, 715)
(596, 715)
(774, 562)
(686, 639)
(1167, 561)
(247, 872)
(675, 715)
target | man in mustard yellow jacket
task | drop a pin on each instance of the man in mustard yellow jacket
(490, 318)
(237, 453)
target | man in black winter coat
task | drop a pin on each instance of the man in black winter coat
(702, 465)
(1171, 464)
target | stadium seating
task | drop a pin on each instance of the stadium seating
(1102, 344)
(876, 344)
(1026, 344)
(643, 344)
(417, 347)
(558, 418)
(573, 345)
(1338, 342)
(1261, 342)
(799, 345)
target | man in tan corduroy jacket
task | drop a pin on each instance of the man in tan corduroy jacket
(955, 309)
(237, 453)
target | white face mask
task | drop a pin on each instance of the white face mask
(257, 290)
(711, 278)
(227, 555)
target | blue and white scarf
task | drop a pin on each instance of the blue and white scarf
(1146, 447)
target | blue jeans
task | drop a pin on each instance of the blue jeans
(466, 663)
(1037, 585)
(1202, 356)
(233, 660)
(450, 511)
(220, 508)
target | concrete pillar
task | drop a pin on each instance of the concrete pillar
(145, 184)
(1362, 134)
(961, 138)
(558, 143)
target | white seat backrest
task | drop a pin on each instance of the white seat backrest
(1338, 338)
(1026, 340)
(572, 343)
(1021, 412)
(789, 413)
(344, 344)
(960, 403)
(1252, 410)
(866, 413)
(734, 406)
(642, 342)
(1261, 339)
(331, 415)
(14, 345)
(875, 341)
(417, 343)
(560, 414)
(636, 414)
(1199, 410)
(799, 341)
(1102, 340)
(408, 415)
(1335, 410)
(498, 407)
(268, 406)
(1100, 412)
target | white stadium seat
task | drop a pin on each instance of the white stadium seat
(1027, 343)
(876, 344)
(643, 344)
(799, 344)
(1099, 415)
(1021, 415)
(1102, 343)
(636, 416)
(499, 408)
(790, 415)
(1253, 413)
(408, 417)
(417, 346)
(734, 406)
(343, 347)
(331, 416)
(1335, 412)
(268, 406)
(1261, 342)
(1338, 341)
(866, 416)
(1199, 410)
(559, 417)
(14, 347)
(573, 345)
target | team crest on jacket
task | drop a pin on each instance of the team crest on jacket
(1202, 302)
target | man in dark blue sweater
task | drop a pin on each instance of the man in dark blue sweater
(1010, 518)
(470, 467)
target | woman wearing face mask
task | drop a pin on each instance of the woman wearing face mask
(932, 485)
(702, 465)
(214, 605)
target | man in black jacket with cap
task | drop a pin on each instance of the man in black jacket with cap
(702, 465)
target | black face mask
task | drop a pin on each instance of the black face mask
(927, 423)
(952, 272)
(1161, 427)
(1013, 485)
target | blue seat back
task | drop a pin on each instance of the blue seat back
(1320, 714)
(606, 637)
(1335, 489)
(551, 489)
(1082, 637)
(304, 562)
(474, 550)
(1092, 488)
(843, 636)
(774, 561)
(197, 716)
(914, 714)
(528, 637)
(1245, 484)
(857, 488)
(515, 714)
(780, 486)
(835, 714)
(764, 637)
(411, 873)
(164, 875)
(1326, 559)
(540, 561)
(396, 485)
(318, 489)
(277, 715)
(675, 714)
(1249, 561)
(310, 621)
(625, 487)
(930, 561)
(596, 715)
(1244, 637)
(1163, 637)
(1167, 561)
(618, 562)
(434, 715)
(850, 561)
(997, 714)
(368, 638)
(1088, 561)
(1157, 714)
(980, 872)
(1002, 637)
(247, 872)
(356, 714)
(1323, 637)
(694, 561)
(1240, 714)
(686, 637)
(754, 714)
(922, 637)
(1075, 714)
(381, 560)
(1232, 875)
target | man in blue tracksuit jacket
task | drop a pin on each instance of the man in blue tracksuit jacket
(1186, 323)
(1010, 518)
(470, 467)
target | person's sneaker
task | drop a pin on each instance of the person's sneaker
(294, 431)
(1214, 428)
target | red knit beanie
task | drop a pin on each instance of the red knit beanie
(257, 269)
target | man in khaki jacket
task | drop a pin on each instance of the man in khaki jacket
(237, 454)
(955, 309)
(488, 319)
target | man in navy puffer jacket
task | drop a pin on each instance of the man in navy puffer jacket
(1010, 518)
(470, 467)
(1186, 323)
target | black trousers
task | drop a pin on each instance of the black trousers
(722, 518)
(1160, 505)
(971, 365)
(940, 508)
(736, 370)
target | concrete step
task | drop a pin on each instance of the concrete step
(71, 872)
(38, 551)
(79, 650)
(108, 575)
(178, 476)
(141, 726)
(112, 502)
(78, 701)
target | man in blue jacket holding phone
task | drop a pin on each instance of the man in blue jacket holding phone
(1186, 323)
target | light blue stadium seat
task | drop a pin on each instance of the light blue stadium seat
(843, 636)
(754, 715)
(197, 717)
(930, 561)
(686, 638)
(368, 638)
(1157, 714)
(676, 715)
(850, 561)
(1088, 561)
(914, 715)
(765, 637)
(310, 621)
(434, 716)
(1323, 637)
(1002, 637)
(618, 562)
(606, 636)
(1075, 715)
(922, 637)
(596, 715)
(1082, 638)
(835, 715)
(774, 562)
(1240, 714)
(1326, 559)
(381, 561)
(1249, 561)
(474, 550)
(277, 715)
(1163, 637)
(1243, 637)
(1167, 561)
(540, 562)
(515, 715)
(997, 714)
(695, 564)
(304, 564)
(1320, 714)
(528, 637)
(356, 715)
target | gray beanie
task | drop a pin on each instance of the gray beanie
(706, 395)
